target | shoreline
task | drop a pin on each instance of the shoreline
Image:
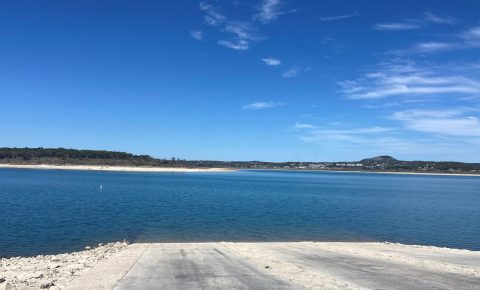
(372, 172)
(117, 265)
(113, 168)
(193, 170)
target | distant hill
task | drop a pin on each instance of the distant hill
(384, 159)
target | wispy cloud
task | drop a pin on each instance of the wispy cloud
(467, 39)
(408, 81)
(411, 24)
(430, 47)
(291, 73)
(384, 141)
(236, 45)
(240, 34)
(271, 61)
(339, 17)
(343, 137)
(472, 36)
(431, 17)
(442, 122)
(300, 126)
(196, 34)
(212, 17)
(262, 105)
(268, 11)
(396, 26)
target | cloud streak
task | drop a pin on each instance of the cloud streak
(467, 39)
(396, 26)
(440, 122)
(408, 81)
(262, 105)
(272, 61)
(338, 17)
(411, 24)
(300, 126)
(268, 11)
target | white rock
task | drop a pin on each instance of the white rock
(53, 265)
(45, 284)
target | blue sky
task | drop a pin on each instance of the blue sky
(273, 80)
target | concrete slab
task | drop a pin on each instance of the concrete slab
(305, 265)
(196, 266)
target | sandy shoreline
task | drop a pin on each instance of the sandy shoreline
(114, 168)
(180, 169)
(279, 265)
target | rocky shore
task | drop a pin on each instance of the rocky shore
(53, 271)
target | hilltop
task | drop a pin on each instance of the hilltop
(384, 159)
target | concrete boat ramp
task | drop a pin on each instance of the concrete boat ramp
(303, 265)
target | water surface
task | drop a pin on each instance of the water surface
(53, 211)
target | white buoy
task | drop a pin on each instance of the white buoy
(101, 187)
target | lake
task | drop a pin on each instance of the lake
(54, 211)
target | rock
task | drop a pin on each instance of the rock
(53, 265)
(52, 271)
(100, 245)
(74, 267)
(45, 284)
(28, 276)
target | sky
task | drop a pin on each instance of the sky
(270, 80)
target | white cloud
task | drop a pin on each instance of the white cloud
(291, 73)
(413, 114)
(212, 15)
(196, 34)
(410, 24)
(441, 122)
(396, 26)
(299, 125)
(467, 39)
(338, 17)
(241, 32)
(236, 45)
(369, 136)
(271, 61)
(472, 36)
(429, 47)
(411, 81)
(431, 17)
(262, 105)
(269, 10)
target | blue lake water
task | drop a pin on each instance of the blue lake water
(53, 211)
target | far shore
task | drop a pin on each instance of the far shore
(114, 168)
(184, 169)
(367, 172)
